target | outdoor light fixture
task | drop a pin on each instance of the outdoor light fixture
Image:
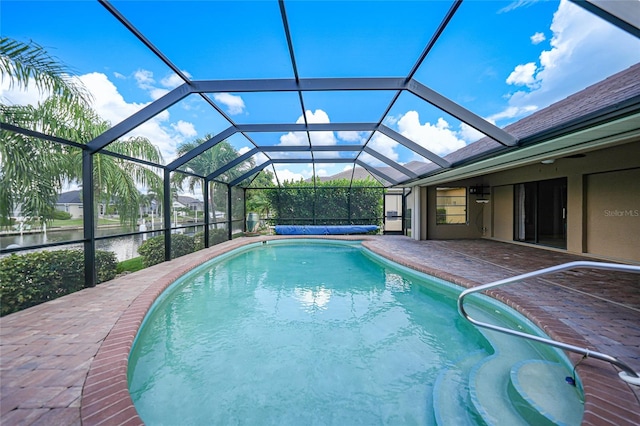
(481, 192)
(549, 161)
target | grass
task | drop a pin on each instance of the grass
(131, 265)
(78, 222)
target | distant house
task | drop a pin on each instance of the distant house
(190, 203)
(71, 202)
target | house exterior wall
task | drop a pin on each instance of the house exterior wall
(613, 214)
(501, 224)
(475, 214)
(603, 203)
(75, 210)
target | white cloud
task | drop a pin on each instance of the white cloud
(107, 101)
(111, 106)
(512, 112)
(156, 93)
(185, 128)
(384, 145)
(146, 81)
(358, 137)
(516, 4)
(523, 75)
(373, 161)
(538, 38)
(173, 80)
(317, 138)
(288, 175)
(437, 138)
(29, 95)
(584, 49)
(233, 103)
(469, 134)
(119, 76)
(144, 78)
(260, 158)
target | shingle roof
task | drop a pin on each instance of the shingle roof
(618, 88)
(609, 92)
(70, 197)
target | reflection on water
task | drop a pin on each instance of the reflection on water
(124, 247)
(313, 299)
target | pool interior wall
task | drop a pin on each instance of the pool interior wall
(482, 304)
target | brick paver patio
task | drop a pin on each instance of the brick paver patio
(64, 362)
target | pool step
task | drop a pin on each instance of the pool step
(508, 391)
(537, 386)
(488, 388)
(451, 402)
(501, 389)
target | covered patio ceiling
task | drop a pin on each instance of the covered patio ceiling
(269, 91)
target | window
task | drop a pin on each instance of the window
(451, 206)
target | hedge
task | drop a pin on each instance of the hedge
(30, 279)
(152, 250)
(336, 202)
(33, 278)
(216, 236)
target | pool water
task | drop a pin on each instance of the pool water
(297, 333)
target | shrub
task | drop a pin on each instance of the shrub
(216, 236)
(152, 250)
(60, 215)
(33, 278)
(106, 265)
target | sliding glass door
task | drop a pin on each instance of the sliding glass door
(541, 212)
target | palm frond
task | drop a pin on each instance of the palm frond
(21, 63)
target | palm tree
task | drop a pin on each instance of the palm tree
(34, 170)
(257, 200)
(116, 180)
(22, 63)
(205, 164)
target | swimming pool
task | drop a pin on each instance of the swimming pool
(314, 332)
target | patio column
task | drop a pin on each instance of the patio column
(88, 221)
(229, 219)
(167, 214)
(417, 212)
(205, 194)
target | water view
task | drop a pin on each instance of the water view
(124, 247)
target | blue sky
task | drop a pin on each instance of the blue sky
(501, 60)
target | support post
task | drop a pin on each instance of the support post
(205, 196)
(403, 211)
(90, 276)
(229, 222)
(167, 214)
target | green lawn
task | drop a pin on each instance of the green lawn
(78, 223)
(131, 265)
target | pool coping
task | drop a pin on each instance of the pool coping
(105, 399)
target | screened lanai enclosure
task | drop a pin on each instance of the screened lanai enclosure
(305, 113)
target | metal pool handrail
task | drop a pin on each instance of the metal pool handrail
(628, 374)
